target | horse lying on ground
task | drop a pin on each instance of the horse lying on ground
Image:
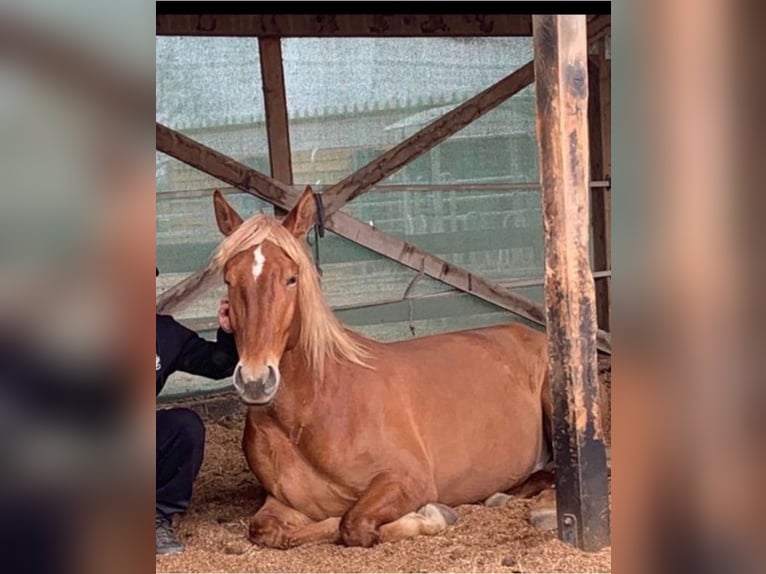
(358, 441)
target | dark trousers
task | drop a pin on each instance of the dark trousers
(180, 448)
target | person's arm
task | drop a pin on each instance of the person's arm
(212, 359)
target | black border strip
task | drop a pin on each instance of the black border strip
(406, 8)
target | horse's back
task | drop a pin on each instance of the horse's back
(474, 397)
(511, 348)
(524, 338)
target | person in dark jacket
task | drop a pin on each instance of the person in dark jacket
(180, 432)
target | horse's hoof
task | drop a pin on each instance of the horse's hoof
(440, 513)
(268, 535)
(359, 532)
(497, 500)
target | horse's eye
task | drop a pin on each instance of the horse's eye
(292, 280)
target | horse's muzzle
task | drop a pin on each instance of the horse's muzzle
(256, 390)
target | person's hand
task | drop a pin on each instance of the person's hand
(223, 315)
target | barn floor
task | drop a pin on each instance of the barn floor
(483, 539)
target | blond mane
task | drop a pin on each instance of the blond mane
(322, 334)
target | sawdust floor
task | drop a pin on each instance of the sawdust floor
(483, 540)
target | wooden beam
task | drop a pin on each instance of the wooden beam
(599, 27)
(277, 127)
(426, 139)
(393, 305)
(387, 188)
(222, 167)
(251, 181)
(437, 305)
(605, 75)
(561, 69)
(434, 133)
(339, 25)
(598, 200)
(218, 165)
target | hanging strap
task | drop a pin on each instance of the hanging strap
(318, 228)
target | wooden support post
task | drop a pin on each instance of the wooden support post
(277, 128)
(562, 92)
(598, 197)
(605, 75)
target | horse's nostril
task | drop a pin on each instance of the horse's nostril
(238, 375)
(269, 382)
(258, 387)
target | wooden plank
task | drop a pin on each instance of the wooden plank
(386, 188)
(605, 74)
(230, 171)
(443, 305)
(275, 102)
(251, 181)
(433, 134)
(339, 25)
(598, 200)
(561, 69)
(183, 257)
(220, 166)
(439, 305)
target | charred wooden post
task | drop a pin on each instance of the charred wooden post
(561, 76)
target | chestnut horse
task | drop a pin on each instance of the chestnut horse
(356, 440)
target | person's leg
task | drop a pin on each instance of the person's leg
(180, 449)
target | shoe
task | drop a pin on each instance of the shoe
(167, 541)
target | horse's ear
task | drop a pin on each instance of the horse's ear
(301, 217)
(228, 219)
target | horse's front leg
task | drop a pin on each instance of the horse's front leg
(277, 525)
(389, 498)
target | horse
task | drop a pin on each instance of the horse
(358, 441)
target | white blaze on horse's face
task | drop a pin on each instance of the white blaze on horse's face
(258, 260)
(262, 293)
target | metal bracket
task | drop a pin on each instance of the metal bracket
(569, 530)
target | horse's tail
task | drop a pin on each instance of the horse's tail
(547, 400)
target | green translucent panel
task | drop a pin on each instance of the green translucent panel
(350, 100)
(210, 89)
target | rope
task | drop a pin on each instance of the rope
(318, 228)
